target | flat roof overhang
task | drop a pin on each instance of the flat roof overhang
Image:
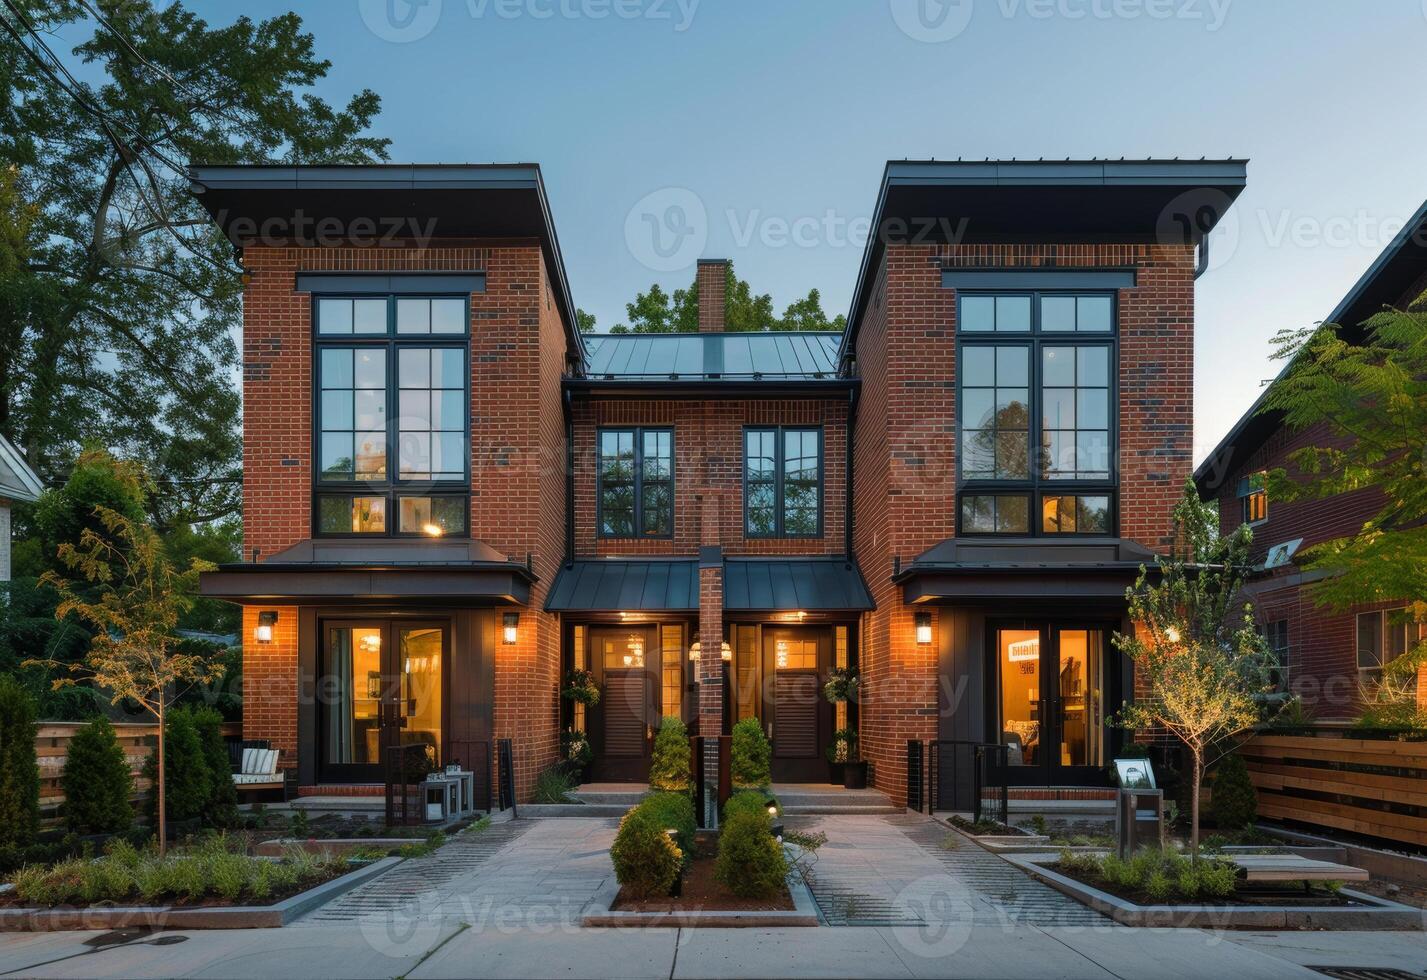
(712, 389)
(1031, 201)
(444, 201)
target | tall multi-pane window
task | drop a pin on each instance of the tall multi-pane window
(782, 482)
(636, 483)
(392, 430)
(671, 644)
(1253, 496)
(1037, 413)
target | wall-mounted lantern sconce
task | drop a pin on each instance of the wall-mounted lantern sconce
(264, 632)
(509, 630)
(924, 628)
(725, 651)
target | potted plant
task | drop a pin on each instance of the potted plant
(843, 747)
(581, 689)
(841, 686)
(577, 753)
(854, 769)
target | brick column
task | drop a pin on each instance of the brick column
(710, 665)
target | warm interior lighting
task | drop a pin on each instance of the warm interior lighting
(264, 631)
(725, 651)
(1019, 651)
(924, 628)
(1172, 634)
(370, 642)
(781, 648)
(509, 630)
(433, 530)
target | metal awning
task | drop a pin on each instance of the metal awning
(792, 584)
(626, 585)
(386, 570)
(983, 569)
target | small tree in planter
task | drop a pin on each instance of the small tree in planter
(669, 767)
(750, 763)
(1195, 648)
(19, 772)
(133, 601)
(842, 751)
(580, 688)
(97, 783)
(841, 686)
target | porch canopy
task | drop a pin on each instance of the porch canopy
(793, 585)
(626, 585)
(980, 569)
(385, 570)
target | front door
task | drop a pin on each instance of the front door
(796, 718)
(1051, 685)
(380, 686)
(625, 661)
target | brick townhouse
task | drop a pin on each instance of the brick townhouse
(1325, 656)
(453, 498)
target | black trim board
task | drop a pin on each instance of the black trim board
(383, 284)
(1037, 279)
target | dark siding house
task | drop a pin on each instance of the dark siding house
(1324, 655)
(453, 498)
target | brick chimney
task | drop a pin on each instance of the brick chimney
(712, 280)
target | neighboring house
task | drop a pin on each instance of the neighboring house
(1324, 655)
(452, 498)
(17, 483)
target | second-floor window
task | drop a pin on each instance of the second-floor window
(1253, 496)
(1036, 410)
(636, 483)
(782, 482)
(392, 433)
(1385, 635)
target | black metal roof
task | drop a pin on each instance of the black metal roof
(624, 584)
(1386, 282)
(774, 356)
(1062, 201)
(791, 584)
(981, 569)
(496, 200)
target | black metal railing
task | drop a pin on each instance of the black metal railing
(505, 766)
(970, 777)
(915, 777)
(404, 769)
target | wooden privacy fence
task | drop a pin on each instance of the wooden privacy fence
(138, 739)
(1371, 786)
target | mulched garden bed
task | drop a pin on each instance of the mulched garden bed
(701, 892)
(1242, 898)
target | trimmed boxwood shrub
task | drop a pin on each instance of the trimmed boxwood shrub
(750, 861)
(747, 801)
(19, 772)
(220, 809)
(669, 768)
(96, 782)
(646, 861)
(676, 811)
(1234, 804)
(751, 755)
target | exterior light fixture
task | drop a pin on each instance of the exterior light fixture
(264, 632)
(924, 628)
(725, 651)
(510, 623)
(1172, 634)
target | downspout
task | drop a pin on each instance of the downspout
(1201, 257)
(847, 507)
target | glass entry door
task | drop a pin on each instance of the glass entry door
(380, 685)
(1051, 693)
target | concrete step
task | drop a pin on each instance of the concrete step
(625, 798)
(533, 811)
(847, 809)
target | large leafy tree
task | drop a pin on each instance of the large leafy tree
(1203, 668)
(1368, 398)
(119, 299)
(656, 311)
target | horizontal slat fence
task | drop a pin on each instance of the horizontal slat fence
(1375, 787)
(138, 740)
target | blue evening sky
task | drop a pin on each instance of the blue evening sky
(770, 114)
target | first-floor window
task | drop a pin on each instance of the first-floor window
(782, 482)
(636, 483)
(1385, 635)
(1276, 635)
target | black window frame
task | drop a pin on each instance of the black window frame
(392, 488)
(1037, 487)
(1251, 487)
(637, 516)
(1276, 634)
(780, 532)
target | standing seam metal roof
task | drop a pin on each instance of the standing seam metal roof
(707, 356)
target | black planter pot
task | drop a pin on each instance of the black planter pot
(835, 772)
(854, 775)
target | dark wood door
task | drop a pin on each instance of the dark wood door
(625, 663)
(796, 664)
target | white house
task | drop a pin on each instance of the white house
(17, 482)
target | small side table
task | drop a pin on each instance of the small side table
(466, 797)
(448, 798)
